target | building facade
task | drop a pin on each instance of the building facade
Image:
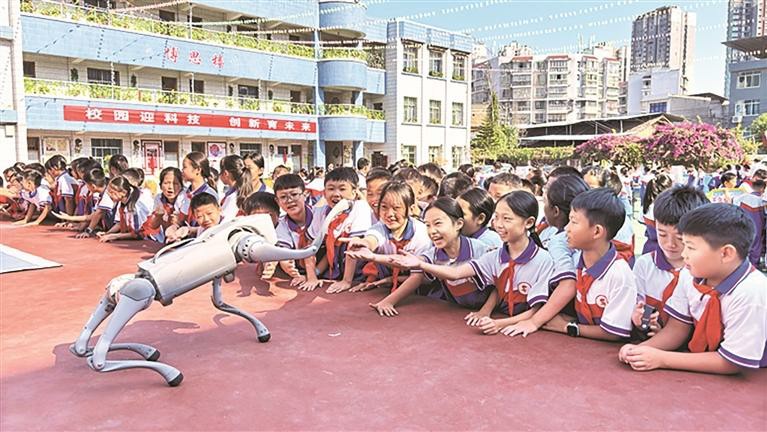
(747, 81)
(706, 107)
(745, 19)
(303, 83)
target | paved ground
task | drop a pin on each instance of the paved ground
(331, 364)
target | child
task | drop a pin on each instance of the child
(432, 171)
(196, 171)
(724, 306)
(171, 184)
(520, 269)
(279, 171)
(430, 190)
(291, 228)
(206, 210)
(117, 165)
(605, 287)
(658, 273)
(501, 184)
(395, 230)
(11, 201)
(103, 215)
(374, 183)
(255, 163)
(237, 178)
(131, 212)
(37, 196)
(597, 177)
(478, 208)
(454, 184)
(754, 206)
(62, 192)
(444, 220)
(136, 177)
(654, 188)
(340, 183)
(263, 203)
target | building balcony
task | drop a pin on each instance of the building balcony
(91, 16)
(344, 122)
(343, 68)
(351, 110)
(344, 17)
(86, 91)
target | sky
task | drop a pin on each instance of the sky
(559, 23)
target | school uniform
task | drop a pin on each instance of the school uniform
(730, 318)
(415, 240)
(522, 282)
(354, 222)
(107, 207)
(228, 204)
(184, 200)
(158, 234)
(292, 236)
(147, 198)
(469, 292)
(624, 241)
(488, 237)
(656, 280)
(546, 232)
(650, 231)
(606, 293)
(84, 199)
(564, 259)
(132, 221)
(754, 206)
(40, 198)
(265, 188)
(64, 188)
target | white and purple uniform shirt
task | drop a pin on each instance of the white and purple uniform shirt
(743, 300)
(564, 258)
(355, 224)
(652, 273)
(184, 200)
(489, 237)
(40, 198)
(228, 203)
(415, 235)
(65, 188)
(289, 233)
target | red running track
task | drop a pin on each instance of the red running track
(332, 363)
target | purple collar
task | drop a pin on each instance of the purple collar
(524, 257)
(309, 216)
(600, 267)
(406, 235)
(660, 260)
(230, 191)
(199, 190)
(734, 279)
(479, 233)
(464, 251)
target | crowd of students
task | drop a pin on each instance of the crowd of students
(551, 250)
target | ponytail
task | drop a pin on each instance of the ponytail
(200, 161)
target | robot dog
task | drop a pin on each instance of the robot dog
(177, 269)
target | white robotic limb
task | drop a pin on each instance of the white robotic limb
(175, 270)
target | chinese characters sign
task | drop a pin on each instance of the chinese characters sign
(163, 118)
(172, 55)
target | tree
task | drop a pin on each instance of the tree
(699, 145)
(759, 129)
(493, 138)
(624, 150)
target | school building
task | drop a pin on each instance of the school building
(304, 83)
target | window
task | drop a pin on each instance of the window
(104, 4)
(410, 59)
(103, 76)
(745, 79)
(459, 68)
(197, 86)
(457, 156)
(408, 153)
(435, 63)
(294, 38)
(435, 155)
(295, 96)
(167, 16)
(169, 84)
(411, 110)
(246, 91)
(435, 112)
(457, 114)
(101, 148)
(658, 107)
(33, 148)
(29, 69)
(540, 105)
(195, 21)
(170, 148)
(747, 107)
(250, 148)
(198, 146)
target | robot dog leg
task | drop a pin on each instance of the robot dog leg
(218, 303)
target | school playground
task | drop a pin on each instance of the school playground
(332, 363)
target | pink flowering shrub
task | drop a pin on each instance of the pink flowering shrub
(625, 150)
(701, 145)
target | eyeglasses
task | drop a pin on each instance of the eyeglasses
(290, 197)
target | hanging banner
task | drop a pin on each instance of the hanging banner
(166, 118)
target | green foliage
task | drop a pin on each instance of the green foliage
(540, 155)
(759, 129)
(493, 138)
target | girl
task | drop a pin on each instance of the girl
(103, 215)
(654, 188)
(117, 165)
(520, 270)
(237, 178)
(558, 198)
(196, 171)
(132, 213)
(255, 164)
(395, 230)
(444, 221)
(63, 185)
(171, 184)
(478, 207)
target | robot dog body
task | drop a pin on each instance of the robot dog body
(175, 270)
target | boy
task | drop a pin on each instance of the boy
(375, 181)
(605, 287)
(37, 196)
(291, 227)
(658, 273)
(725, 306)
(263, 203)
(501, 184)
(207, 213)
(340, 183)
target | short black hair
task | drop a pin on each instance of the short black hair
(720, 224)
(508, 179)
(343, 174)
(430, 185)
(288, 181)
(454, 184)
(564, 170)
(431, 169)
(563, 190)
(261, 201)
(480, 202)
(202, 199)
(34, 176)
(602, 207)
(362, 163)
(727, 177)
(674, 203)
(378, 174)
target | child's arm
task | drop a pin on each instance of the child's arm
(312, 282)
(94, 222)
(106, 238)
(561, 296)
(493, 326)
(474, 318)
(385, 307)
(69, 205)
(43, 214)
(645, 358)
(27, 216)
(350, 265)
(409, 261)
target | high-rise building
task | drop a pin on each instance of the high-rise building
(303, 83)
(662, 47)
(745, 19)
(748, 81)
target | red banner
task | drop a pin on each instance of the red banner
(166, 118)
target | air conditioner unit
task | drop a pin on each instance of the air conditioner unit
(736, 119)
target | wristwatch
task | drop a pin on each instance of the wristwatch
(572, 329)
(89, 231)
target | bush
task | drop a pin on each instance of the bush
(699, 145)
(541, 155)
(625, 150)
